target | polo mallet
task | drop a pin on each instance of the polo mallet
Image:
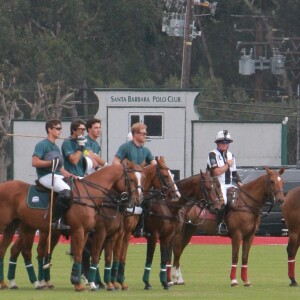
(54, 166)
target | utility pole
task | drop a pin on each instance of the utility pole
(85, 100)
(187, 48)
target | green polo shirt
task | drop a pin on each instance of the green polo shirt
(134, 153)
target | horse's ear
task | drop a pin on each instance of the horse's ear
(266, 168)
(281, 171)
(201, 172)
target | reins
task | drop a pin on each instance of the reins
(115, 199)
(254, 210)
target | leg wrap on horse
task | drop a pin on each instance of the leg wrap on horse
(233, 272)
(47, 273)
(114, 271)
(163, 273)
(146, 275)
(121, 273)
(62, 204)
(98, 277)
(291, 268)
(107, 273)
(12, 265)
(244, 273)
(76, 273)
(92, 273)
(169, 268)
(41, 275)
(30, 271)
(1, 269)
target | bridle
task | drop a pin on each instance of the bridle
(270, 189)
(166, 188)
(114, 198)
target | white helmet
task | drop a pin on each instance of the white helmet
(223, 135)
(88, 165)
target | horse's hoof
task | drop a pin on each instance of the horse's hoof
(50, 286)
(3, 285)
(116, 285)
(294, 284)
(235, 284)
(14, 287)
(79, 287)
(166, 286)
(248, 284)
(170, 283)
(147, 287)
(42, 287)
(110, 287)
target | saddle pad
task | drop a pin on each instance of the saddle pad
(205, 214)
(37, 199)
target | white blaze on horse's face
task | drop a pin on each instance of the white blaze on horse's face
(175, 186)
(279, 178)
(139, 180)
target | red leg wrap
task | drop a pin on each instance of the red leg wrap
(233, 272)
(291, 267)
(169, 271)
(244, 273)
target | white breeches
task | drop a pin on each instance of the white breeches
(58, 183)
(224, 188)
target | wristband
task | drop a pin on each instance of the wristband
(81, 148)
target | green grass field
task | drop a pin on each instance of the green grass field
(205, 269)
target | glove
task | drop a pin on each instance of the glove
(81, 140)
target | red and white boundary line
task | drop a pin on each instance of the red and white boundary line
(206, 240)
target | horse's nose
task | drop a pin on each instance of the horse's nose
(280, 200)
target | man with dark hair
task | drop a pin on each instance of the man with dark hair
(93, 149)
(44, 153)
(73, 150)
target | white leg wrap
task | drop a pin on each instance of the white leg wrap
(12, 283)
(179, 276)
(93, 286)
(36, 285)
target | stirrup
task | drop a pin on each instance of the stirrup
(222, 229)
(60, 225)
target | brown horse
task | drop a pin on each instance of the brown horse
(163, 220)
(203, 217)
(242, 219)
(291, 213)
(112, 182)
(160, 178)
(108, 229)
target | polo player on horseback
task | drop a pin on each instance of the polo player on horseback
(222, 164)
(46, 153)
(135, 151)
